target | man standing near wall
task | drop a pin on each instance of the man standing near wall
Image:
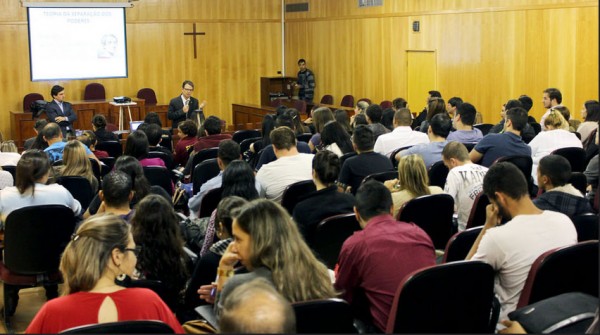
(306, 82)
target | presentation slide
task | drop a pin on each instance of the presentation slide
(77, 43)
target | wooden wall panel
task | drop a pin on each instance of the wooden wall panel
(242, 44)
(487, 51)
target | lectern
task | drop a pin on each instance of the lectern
(270, 85)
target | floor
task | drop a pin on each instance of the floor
(30, 301)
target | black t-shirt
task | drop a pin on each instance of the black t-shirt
(356, 168)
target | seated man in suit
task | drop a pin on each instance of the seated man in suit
(184, 106)
(553, 174)
(60, 111)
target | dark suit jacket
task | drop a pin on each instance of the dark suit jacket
(176, 113)
(53, 111)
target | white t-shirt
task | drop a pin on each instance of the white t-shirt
(277, 175)
(399, 137)
(6, 179)
(512, 248)
(463, 184)
(9, 158)
(53, 194)
(547, 141)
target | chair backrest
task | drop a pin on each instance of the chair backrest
(13, 171)
(327, 99)
(209, 202)
(109, 161)
(80, 189)
(393, 155)
(165, 157)
(346, 156)
(300, 105)
(35, 237)
(123, 327)
(586, 226)
(568, 269)
(245, 144)
(381, 176)
(438, 172)
(433, 213)
(367, 100)
(575, 156)
(454, 297)
(94, 91)
(524, 163)
(275, 102)
(579, 181)
(330, 236)
(158, 287)
(98, 170)
(484, 127)
(460, 244)
(148, 95)
(294, 192)
(159, 176)
(324, 316)
(477, 215)
(304, 137)
(203, 172)
(347, 101)
(537, 128)
(470, 145)
(113, 148)
(241, 135)
(385, 104)
(29, 98)
(202, 155)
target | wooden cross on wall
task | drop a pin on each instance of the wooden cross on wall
(194, 34)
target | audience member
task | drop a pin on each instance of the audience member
(290, 166)
(267, 126)
(212, 134)
(591, 115)
(268, 155)
(567, 115)
(554, 137)
(412, 182)
(255, 307)
(527, 134)
(553, 174)
(76, 163)
(187, 138)
(153, 118)
(101, 250)
(38, 126)
(552, 98)
(310, 210)
(320, 117)
(335, 139)
(452, 105)
(464, 118)
(116, 195)
(366, 162)
(423, 115)
(401, 136)
(154, 134)
(359, 109)
(508, 143)
(268, 244)
(374, 261)
(464, 181)
(155, 225)
(341, 116)
(374, 115)
(399, 103)
(436, 106)
(511, 248)
(53, 136)
(88, 138)
(99, 127)
(299, 127)
(137, 146)
(438, 129)
(9, 155)
(387, 118)
(358, 120)
(527, 104)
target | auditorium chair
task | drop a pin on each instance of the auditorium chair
(347, 101)
(245, 144)
(123, 327)
(394, 153)
(568, 269)
(455, 297)
(575, 156)
(438, 172)
(483, 127)
(433, 213)
(478, 215)
(381, 176)
(324, 316)
(160, 176)
(293, 193)
(300, 106)
(209, 202)
(385, 104)
(460, 244)
(165, 157)
(330, 235)
(80, 188)
(327, 99)
(94, 91)
(204, 171)
(586, 226)
(304, 137)
(28, 99)
(346, 156)
(148, 95)
(241, 135)
(525, 164)
(113, 148)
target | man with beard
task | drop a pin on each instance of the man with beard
(512, 248)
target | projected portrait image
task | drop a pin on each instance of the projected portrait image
(108, 46)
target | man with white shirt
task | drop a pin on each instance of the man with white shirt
(185, 106)
(464, 181)
(401, 136)
(552, 98)
(511, 248)
(290, 166)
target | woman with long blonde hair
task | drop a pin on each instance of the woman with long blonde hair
(412, 181)
(76, 163)
(269, 245)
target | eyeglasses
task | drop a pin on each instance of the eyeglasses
(136, 251)
(188, 89)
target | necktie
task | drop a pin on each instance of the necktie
(62, 111)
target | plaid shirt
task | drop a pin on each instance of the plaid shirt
(568, 204)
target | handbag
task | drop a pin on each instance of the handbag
(549, 315)
(180, 198)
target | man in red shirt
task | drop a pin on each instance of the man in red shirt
(374, 261)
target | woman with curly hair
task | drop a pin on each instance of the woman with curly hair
(268, 244)
(155, 226)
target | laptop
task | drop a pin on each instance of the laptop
(134, 124)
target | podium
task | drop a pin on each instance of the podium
(270, 85)
(121, 105)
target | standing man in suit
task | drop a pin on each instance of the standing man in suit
(60, 111)
(185, 106)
